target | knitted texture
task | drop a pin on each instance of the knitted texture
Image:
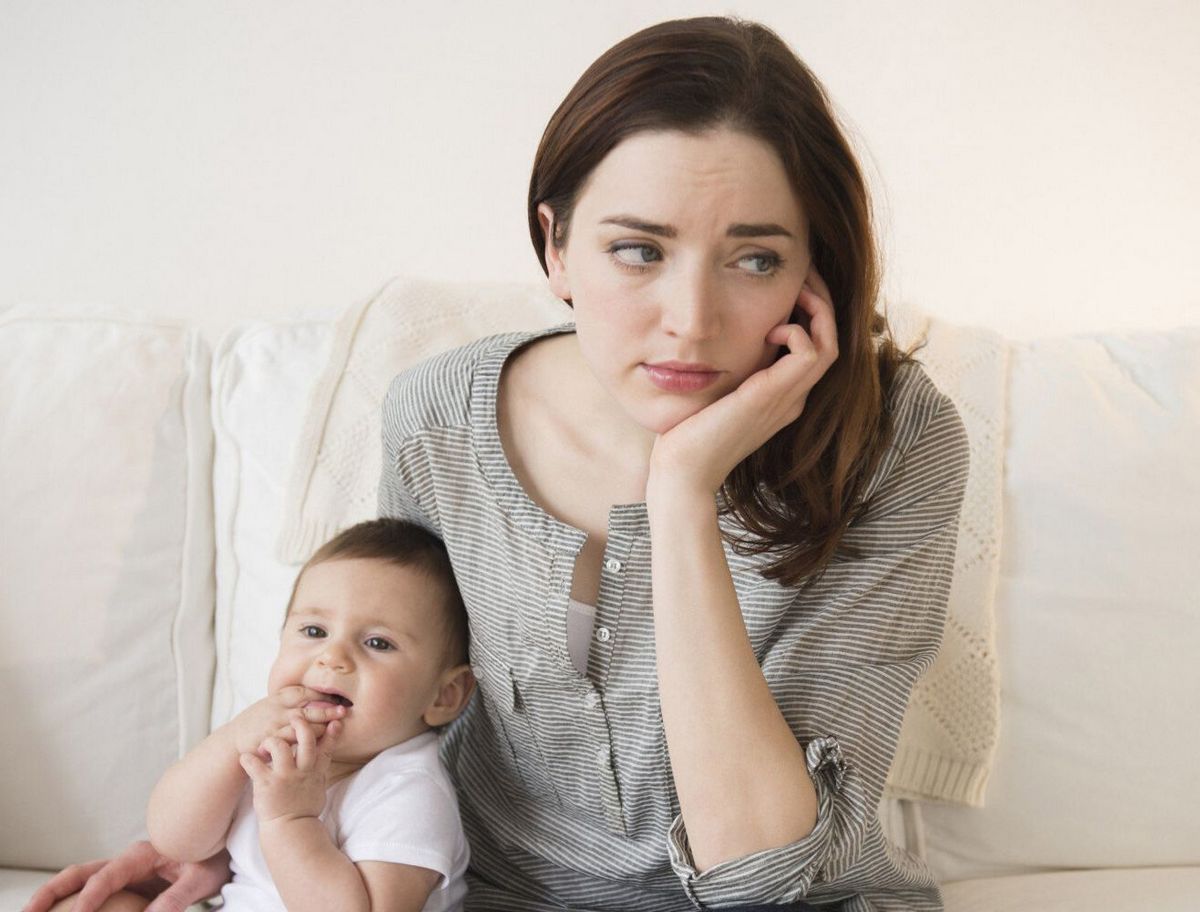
(950, 730)
(337, 462)
(952, 726)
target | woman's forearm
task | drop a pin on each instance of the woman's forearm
(725, 733)
(194, 802)
(309, 871)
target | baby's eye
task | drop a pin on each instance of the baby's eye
(312, 630)
(379, 643)
(642, 255)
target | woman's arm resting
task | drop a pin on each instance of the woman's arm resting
(141, 869)
(725, 733)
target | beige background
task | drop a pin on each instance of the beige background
(1034, 163)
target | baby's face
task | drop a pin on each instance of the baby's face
(371, 635)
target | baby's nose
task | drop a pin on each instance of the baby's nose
(335, 658)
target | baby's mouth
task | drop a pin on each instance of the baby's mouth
(336, 698)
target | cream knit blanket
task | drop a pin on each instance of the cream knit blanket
(950, 731)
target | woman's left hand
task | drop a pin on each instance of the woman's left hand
(701, 451)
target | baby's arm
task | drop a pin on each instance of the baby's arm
(310, 872)
(193, 803)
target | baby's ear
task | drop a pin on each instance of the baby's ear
(454, 692)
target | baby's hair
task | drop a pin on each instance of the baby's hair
(405, 544)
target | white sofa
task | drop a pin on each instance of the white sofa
(141, 492)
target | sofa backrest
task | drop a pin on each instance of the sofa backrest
(106, 555)
(107, 583)
(1097, 614)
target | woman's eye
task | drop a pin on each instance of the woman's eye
(379, 643)
(634, 256)
(764, 264)
(311, 630)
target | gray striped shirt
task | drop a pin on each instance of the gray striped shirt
(564, 780)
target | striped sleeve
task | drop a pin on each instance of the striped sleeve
(848, 653)
(397, 497)
(421, 402)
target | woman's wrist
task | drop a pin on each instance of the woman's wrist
(675, 498)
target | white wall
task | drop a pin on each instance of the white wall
(217, 161)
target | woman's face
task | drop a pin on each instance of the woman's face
(683, 253)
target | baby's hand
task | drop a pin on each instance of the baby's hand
(272, 717)
(293, 786)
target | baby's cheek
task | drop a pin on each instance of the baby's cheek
(278, 678)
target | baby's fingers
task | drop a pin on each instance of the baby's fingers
(298, 696)
(288, 731)
(254, 767)
(306, 743)
(323, 713)
(280, 752)
(328, 744)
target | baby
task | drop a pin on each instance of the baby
(329, 793)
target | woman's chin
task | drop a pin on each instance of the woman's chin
(660, 417)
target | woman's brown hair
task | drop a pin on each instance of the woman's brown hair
(796, 495)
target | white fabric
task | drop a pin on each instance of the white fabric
(950, 731)
(952, 725)
(1099, 616)
(105, 576)
(262, 378)
(1114, 890)
(335, 473)
(581, 618)
(399, 808)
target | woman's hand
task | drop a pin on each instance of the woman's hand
(701, 451)
(139, 869)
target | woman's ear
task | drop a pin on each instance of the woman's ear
(454, 692)
(556, 267)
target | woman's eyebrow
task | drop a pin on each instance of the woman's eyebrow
(738, 230)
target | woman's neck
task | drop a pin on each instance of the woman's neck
(597, 424)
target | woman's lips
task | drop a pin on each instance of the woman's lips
(677, 377)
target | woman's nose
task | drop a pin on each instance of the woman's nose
(691, 309)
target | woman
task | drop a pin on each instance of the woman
(708, 721)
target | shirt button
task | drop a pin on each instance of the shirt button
(612, 565)
(602, 756)
(603, 634)
(592, 700)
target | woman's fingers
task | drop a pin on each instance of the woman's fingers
(139, 862)
(814, 281)
(822, 323)
(196, 882)
(63, 884)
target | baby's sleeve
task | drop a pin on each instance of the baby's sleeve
(408, 818)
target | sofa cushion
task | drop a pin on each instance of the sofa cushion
(262, 377)
(105, 576)
(1113, 890)
(1098, 616)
